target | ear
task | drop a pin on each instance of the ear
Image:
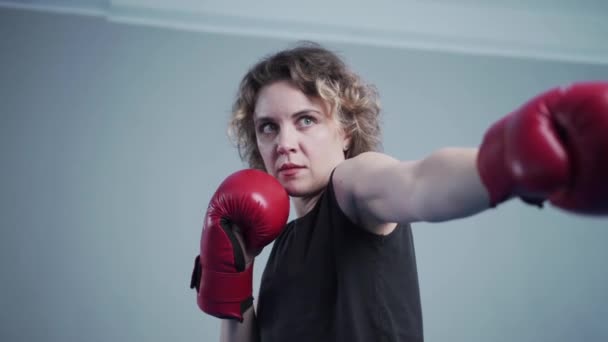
(345, 136)
(346, 141)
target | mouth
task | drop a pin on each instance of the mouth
(289, 169)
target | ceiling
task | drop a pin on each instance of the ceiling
(566, 30)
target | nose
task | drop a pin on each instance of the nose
(286, 142)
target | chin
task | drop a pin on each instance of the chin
(295, 189)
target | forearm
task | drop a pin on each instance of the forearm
(448, 185)
(235, 331)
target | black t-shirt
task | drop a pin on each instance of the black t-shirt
(329, 280)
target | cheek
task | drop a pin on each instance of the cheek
(265, 152)
(325, 149)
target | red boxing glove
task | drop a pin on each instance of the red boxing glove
(555, 147)
(259, 205)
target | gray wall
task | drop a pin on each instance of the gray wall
(112, 140)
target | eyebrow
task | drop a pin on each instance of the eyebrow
(298, 113)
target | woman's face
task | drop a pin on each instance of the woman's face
(298, 138)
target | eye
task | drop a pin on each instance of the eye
(306, 121)
(267, 128)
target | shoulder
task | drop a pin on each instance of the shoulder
(354, 175)
(361, 166)
(353, 180)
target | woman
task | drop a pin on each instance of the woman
(345, 269)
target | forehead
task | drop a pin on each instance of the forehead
(284, 98)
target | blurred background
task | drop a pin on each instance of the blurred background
(113, 138)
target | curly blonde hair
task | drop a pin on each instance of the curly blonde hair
(317, 72)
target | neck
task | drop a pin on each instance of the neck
(303, 205)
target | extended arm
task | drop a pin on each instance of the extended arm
(443, 186)
(552, 148)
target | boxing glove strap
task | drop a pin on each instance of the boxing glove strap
(223, 287)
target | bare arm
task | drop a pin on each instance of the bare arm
(449, 185)
(374, 187)
(235, 331)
